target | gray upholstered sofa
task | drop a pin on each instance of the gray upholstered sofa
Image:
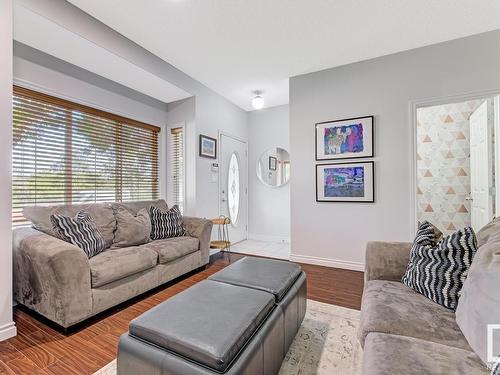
(57, 280)
(403, 332)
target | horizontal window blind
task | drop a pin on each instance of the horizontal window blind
(65, 153)
(177, 160)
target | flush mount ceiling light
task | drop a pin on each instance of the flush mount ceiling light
(258, 100)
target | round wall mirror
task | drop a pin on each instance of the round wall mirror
(273, 167)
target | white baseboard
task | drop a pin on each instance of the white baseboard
(7, 331)
(334, 263)
(261, 237)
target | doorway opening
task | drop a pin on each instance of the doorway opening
(457, 163)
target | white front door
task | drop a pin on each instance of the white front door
(481, 162)
(233, 200)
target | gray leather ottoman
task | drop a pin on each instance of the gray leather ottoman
(225, 325)
(285, 280)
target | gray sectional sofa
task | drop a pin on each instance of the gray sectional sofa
(56, 279)
(403, 332)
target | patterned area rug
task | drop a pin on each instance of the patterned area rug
(326, 344)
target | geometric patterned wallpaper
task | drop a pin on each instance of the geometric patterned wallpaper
(443, 164)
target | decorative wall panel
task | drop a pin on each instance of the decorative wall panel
(443, 164)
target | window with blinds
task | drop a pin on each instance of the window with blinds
(64, 153)
(177, 164)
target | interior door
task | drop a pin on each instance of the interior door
(481, 162)
(233, 190)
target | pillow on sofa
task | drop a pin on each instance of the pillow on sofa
(480, 299)
(483, 235)
(131, 230)
(81, 231)
(166, 224)
(438, 270)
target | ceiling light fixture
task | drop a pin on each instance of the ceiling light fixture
(258, 100)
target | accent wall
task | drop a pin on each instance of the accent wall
(335, 234)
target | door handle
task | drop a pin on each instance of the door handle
(469, 198)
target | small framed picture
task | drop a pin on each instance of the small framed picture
(208, 147)
(272, 163)
(342, 139)
(345, 182)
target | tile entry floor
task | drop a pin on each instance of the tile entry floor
(278, 250)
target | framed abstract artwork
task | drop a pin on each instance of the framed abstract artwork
(343, 139)
(345, 182)
(208, 147)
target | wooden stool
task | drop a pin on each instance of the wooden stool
(222, 242)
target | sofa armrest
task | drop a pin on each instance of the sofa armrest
(51, 277)
(201, 229)
(386, 260)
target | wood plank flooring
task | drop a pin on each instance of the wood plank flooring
(40, 349)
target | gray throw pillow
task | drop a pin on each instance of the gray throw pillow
(81, 231)
(485, 232)
(166, 224)
(131, 230)
(438, 270)
(479, 303)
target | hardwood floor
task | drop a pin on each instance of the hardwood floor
(40, 349)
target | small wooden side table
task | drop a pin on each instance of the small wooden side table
(222, 243)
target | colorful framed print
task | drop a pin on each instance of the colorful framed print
(345, 182)
(272, 163)
(342, 139)
(208, 147)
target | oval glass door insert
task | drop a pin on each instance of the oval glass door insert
(233, 188)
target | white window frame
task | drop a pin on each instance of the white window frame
(169, 175)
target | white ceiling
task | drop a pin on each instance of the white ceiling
(38, 32)
(237, 46)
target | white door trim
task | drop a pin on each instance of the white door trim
(166, 157)
(221, 133)
(413, 105)
(496, 156)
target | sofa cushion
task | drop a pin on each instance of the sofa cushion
(386, 354)
(392, 307)
(102, 213)
(268, 275)
(131, 229)
(202, 325)
(170, 249)
(479, 304)
(115, 264)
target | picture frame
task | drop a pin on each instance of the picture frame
(346, 182)
(273, 162)
(208, 147)
(350, 138)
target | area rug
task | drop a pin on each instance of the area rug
(325, 344)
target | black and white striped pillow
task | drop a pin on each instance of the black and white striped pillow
(166, 224)
(438, 270)
(81, 231)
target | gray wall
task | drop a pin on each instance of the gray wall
(269, 212)
(7, 327)
(336, 233)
